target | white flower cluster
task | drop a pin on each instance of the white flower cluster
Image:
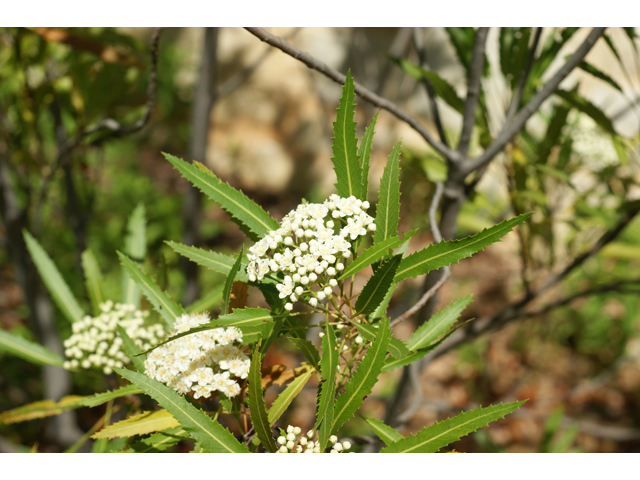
(593, 145)
(308, 245)
(294, 442)
(95, 341)
(184, 364)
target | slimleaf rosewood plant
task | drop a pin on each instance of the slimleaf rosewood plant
(210, 368)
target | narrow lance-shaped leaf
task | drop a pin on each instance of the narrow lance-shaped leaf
(364, 154)
(345, 145)
(589, 68)
(102, 398)
(449, 252)
(158, 442)
(226, 293)
(386, 433)
(378, 285)
(28, 350)
(328, 366)
(136, 248)
(213, 436)
(254, 221)
(308, 349)
(131, 349)
(93, 280)
(363, 380)
(218, 262)
(164, 305)
(438, 324)
(433, 438)
(257, 407)
(397, 348)
(388, 207)
(40, 409)
(51, 277)
(285, 398)
(371, 255)
(141, 424)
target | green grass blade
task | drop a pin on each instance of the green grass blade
(308, 349)
(386, 433)
(285, 398)
(213, 436)
(345, 145)
(257, 407)
(438, 324)
(30, 351)
(450, 252)
(208, 302)
(102, 398)
(388, 207)
(93, 280)
(135, 247)
(374, 253)
(363, 380)
(215, 261)
(378, 285)
(433, 438)
(51, 277)
(163, 304)
(226, 292)
(364, 154)
(251, 218)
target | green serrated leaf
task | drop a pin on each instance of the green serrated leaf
(372, 254)
(93, 280)
(136, 249)
(378, 285)
(397, 348)
(159, 442)
(439, 324)
(443, 89)
(388, 207)
(363, 380)
(589, 68)
(364, 154)
(328, 367)
(254, 221)
(27, 350)
(140, 424)
(51, 277)
(433, 438)
(208, 301)
(345, 145)
(449, 252)
(257, 408)
(285, 398)
(215, 261)
(308, 349)
(386, 433)
(213, 436)
(102, 398)
(131, 349)
(226, 293)
(163, 304)
(585, 106)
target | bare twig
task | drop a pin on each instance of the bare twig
(515, 101)
(422, 56)
(473, 90)
(446, 271)
(511, 128)
(364, 93)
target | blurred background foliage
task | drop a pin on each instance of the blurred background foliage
(575, 353)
